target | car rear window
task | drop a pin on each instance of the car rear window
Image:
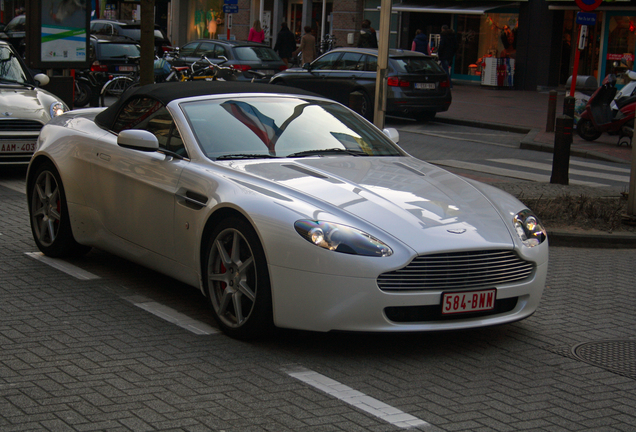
(118, 51)
(135, 33)
(256, 54)
(416, 65)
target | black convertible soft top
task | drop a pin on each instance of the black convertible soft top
(167, 92)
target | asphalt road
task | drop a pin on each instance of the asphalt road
(98, 343)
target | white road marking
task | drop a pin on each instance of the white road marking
(548, 167)
(353, 397)
(59, 264)
(544, 178)
(172, 316)
(599, 166)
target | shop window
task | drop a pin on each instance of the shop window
(479, 37)
(621, 44)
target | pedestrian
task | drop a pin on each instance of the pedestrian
(285, 43)
(307, 47)
(257, 34)
(420, 43)
(368, 38)
(446, 49)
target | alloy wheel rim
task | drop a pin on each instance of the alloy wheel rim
(232, 278)
(46, 208)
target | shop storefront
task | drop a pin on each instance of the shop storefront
(486, 36)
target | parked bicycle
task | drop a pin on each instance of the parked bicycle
(118, 84)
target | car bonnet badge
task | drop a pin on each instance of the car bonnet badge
(457, 231)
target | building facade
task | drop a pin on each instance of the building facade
(536, 39)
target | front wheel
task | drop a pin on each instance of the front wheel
(50, 222)
(115, 88)
(236, 280)
(586, 130)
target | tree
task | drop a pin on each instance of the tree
(146, 62)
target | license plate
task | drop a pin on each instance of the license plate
(126, 68)
(425, 86)
(17, 147)
(468, 301)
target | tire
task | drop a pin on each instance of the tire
(83, 94)
(366, 107)
(586, 130)
(115, 88)
(50, 222)
(425, 116)
(236, 280)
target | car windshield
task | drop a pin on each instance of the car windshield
(266, 126)
(416, 65)
(118, 51)
(10, 67)
(16, 24)
(247, 53)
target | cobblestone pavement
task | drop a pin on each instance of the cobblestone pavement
(78, 355)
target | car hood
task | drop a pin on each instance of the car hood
(422, 205)
(25, 102)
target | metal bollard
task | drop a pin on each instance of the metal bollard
(552, 103)
(568, 106)
(561, 156)
(355, 101)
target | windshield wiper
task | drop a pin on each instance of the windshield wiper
(10, 81)
(246, 156)
(320, 152)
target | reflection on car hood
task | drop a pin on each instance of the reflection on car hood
(420, 204)
(25, 103)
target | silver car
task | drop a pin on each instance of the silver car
(24, 107)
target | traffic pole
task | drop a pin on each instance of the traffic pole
(575, 68)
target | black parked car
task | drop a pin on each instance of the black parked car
(417, 86)
(242, 56)
(131, 29)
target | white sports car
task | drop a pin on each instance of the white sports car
(286, 209)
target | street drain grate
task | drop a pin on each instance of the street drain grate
(617, 356)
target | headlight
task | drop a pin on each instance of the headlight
(341, 238)
(530, 230)
(56, 109)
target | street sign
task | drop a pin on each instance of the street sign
(230, 1)
(585, 18)
(588, 5)
(582, 38)
(230, 8)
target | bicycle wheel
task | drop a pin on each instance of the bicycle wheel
(115, 88)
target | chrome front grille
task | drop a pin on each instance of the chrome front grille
(18, 125)
(458, 271)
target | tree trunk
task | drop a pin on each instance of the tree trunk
(146, 62)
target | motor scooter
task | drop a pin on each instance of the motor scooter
(599, 117)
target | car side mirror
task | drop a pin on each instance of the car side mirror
(137, 139)
(42, 79)
(393, 134)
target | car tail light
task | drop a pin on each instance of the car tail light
(241, 68)
(445, 83)
(98, 67)
(167, 48)
(396, 82)
(283, 67)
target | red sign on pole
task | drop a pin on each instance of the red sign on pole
(588, 5)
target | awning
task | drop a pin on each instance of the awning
(464, 8)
